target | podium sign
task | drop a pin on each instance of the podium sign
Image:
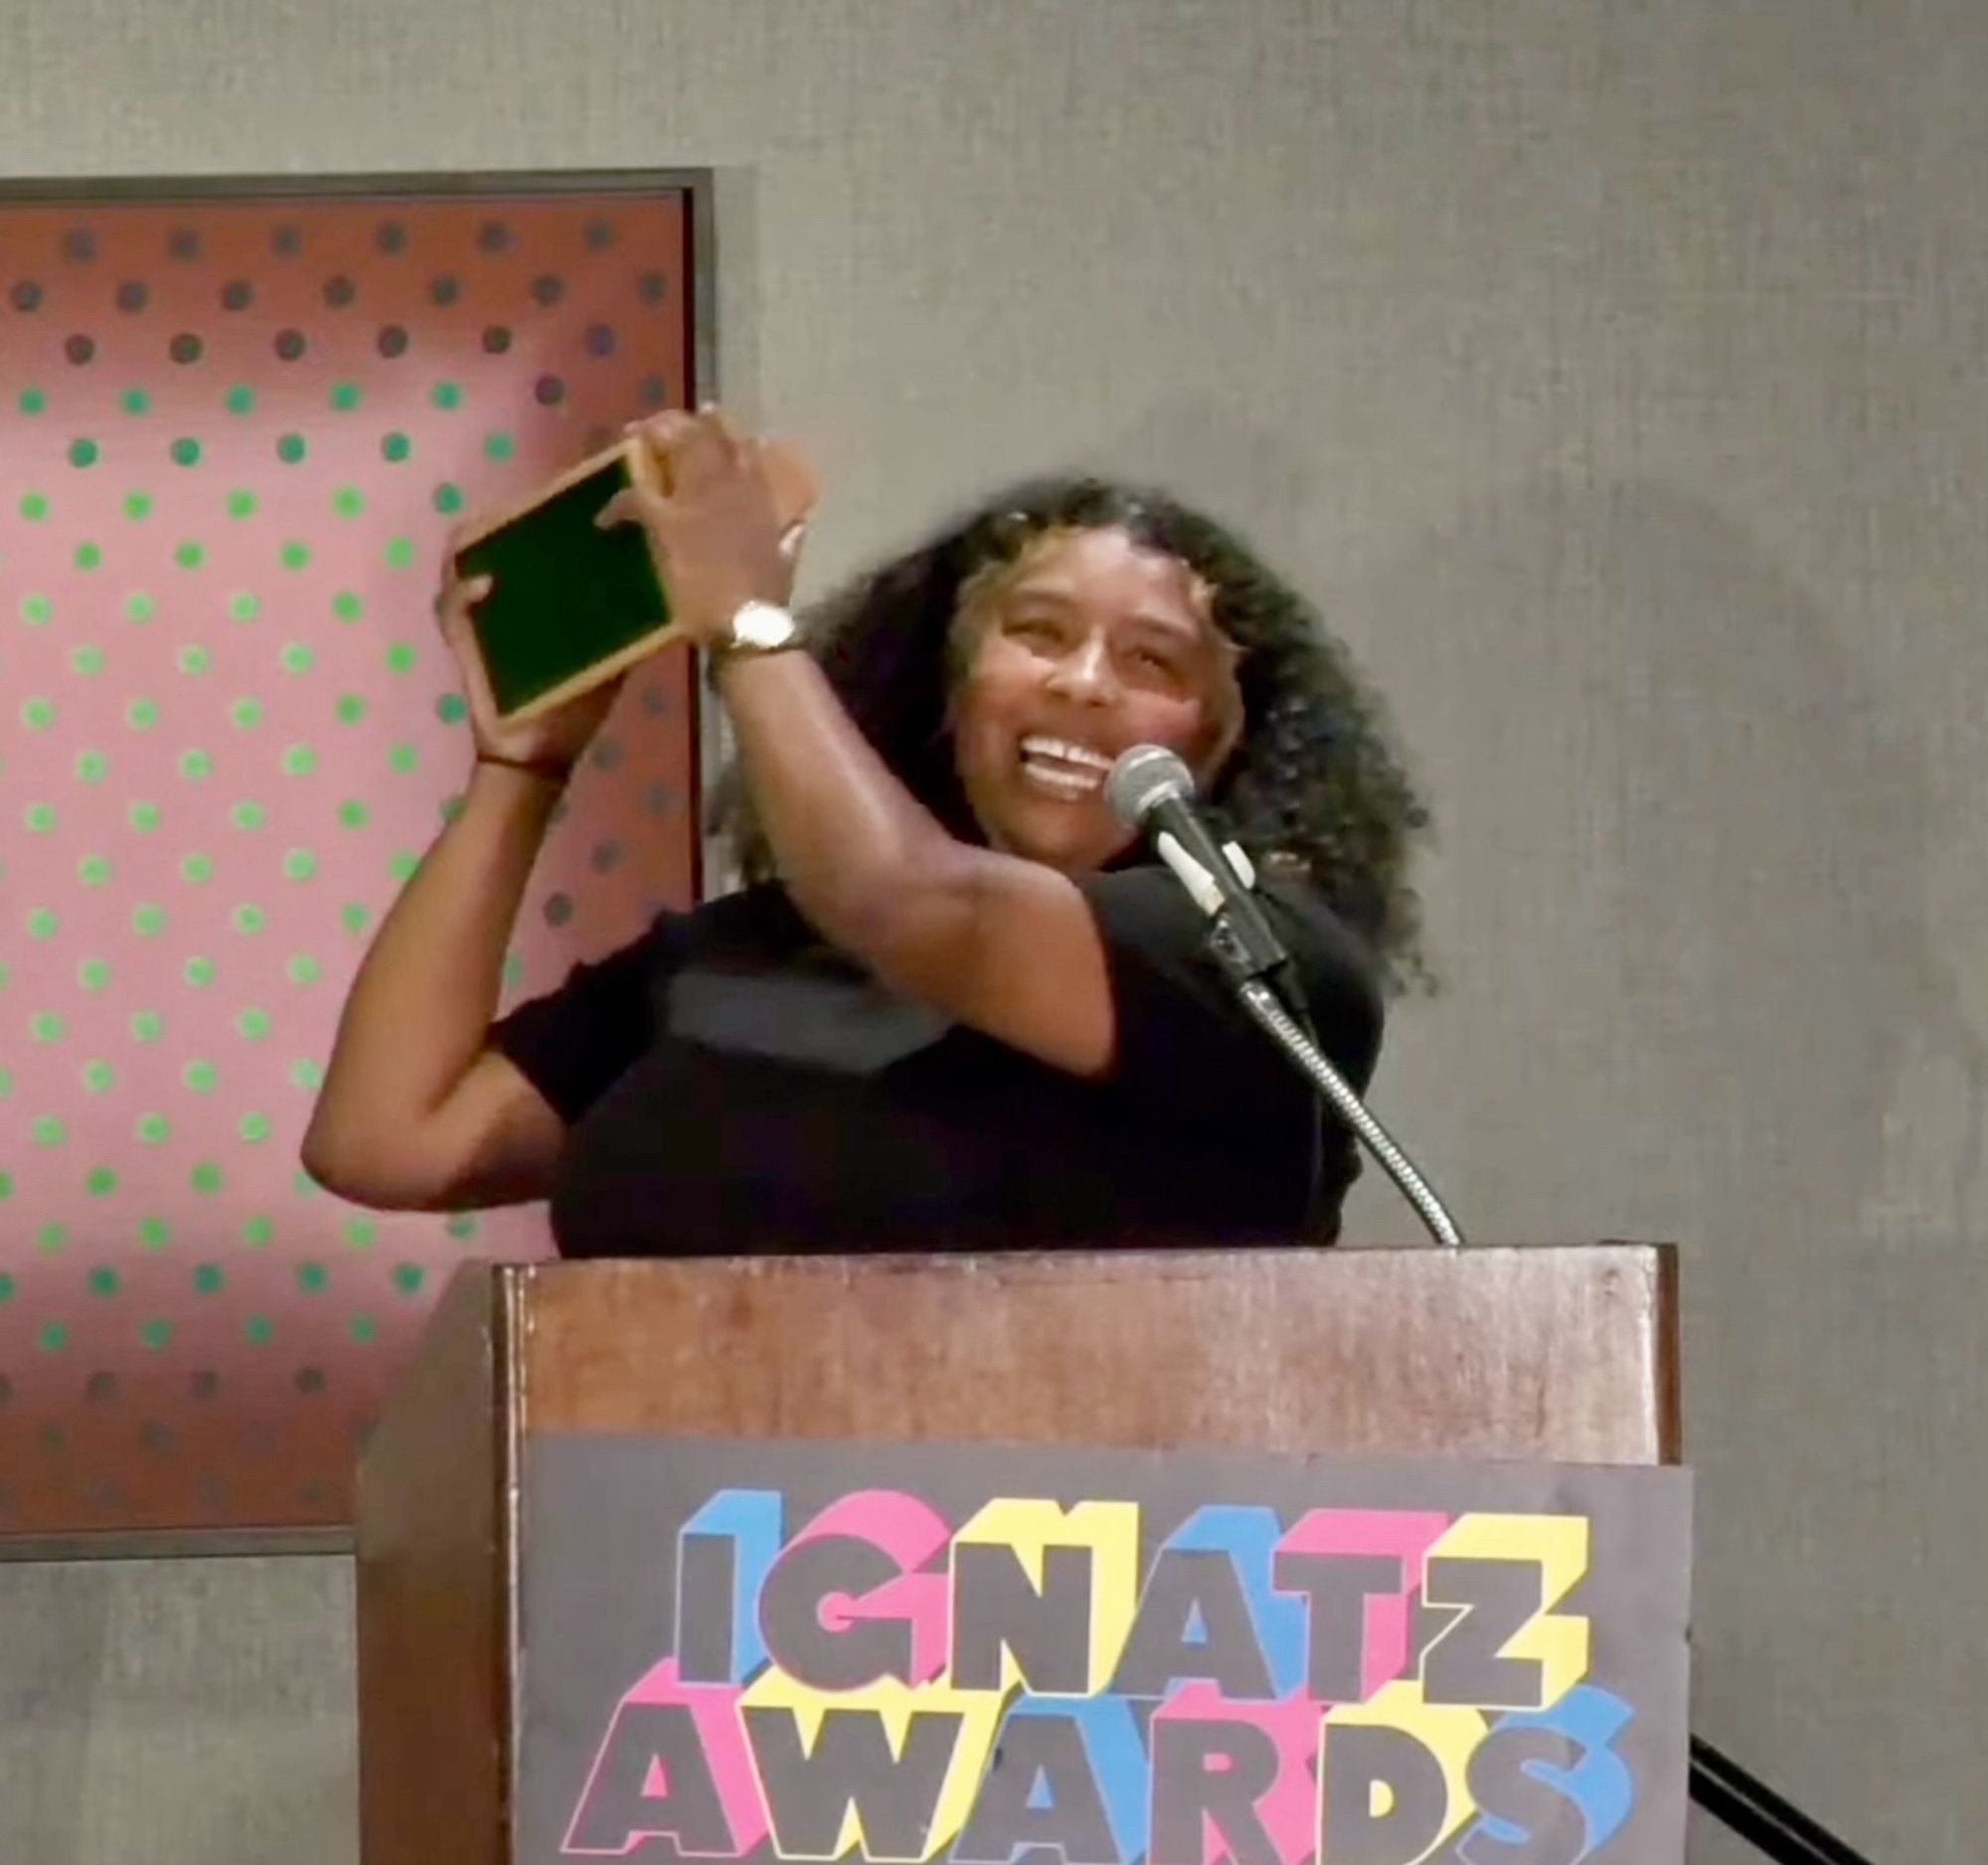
(769, 1651)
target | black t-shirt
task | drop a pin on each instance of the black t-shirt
(732, 1086)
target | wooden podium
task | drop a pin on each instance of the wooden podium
(1566, 1355)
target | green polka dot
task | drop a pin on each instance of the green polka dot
(102, 1182)
(154, 1233)
(394, 447)
(200, 973)
(87, 661)
(148, 922)
(197, 868)
(240, 504)
(402, 867)
(248, 921)
(36, 610)
(446, 394)
(299, 864)
(246, 714)
(257, 1232)
(89, 557)
(50, 1238)
(400, 658)
(361, 1233)
(82, 453)
(92, 974)
(40, 818)
(6, 1287)
(190, 556)
(345, 606)
(135, 402)
(350, 502)
(6, 1186)
(155, 1334)
(193, 658)
(207, 1279)
(344, 397)
(243, 607)
(252, 1025)
(299, 761)
(447, 499)
(498, 446)
(450, 808)
(47, 1130)
(312, 1278)
(100, 1078)
(401, 757)
(146, 1026)
(102, 1281)
(362, 1328)
(408, 1277)
(6, 1083)
(400, 552)
(256, 1330)
(295, 556)
(451, 709)
(307, 1076)
(32, 402)
(143, 817)
(153, 1129)
(196, 767)
(139, 506)
(205, 1178)
(42, 925)
(37, 715)
(44, 1026)
(241, 400)
(141, 715)
(138, 606)
(296, 658)
(350, 708)
(200, 1077)
(302, 968)
(92, 871)
(34, 507)
(53, 1337)
(90, 766)
(353, 917)
(248, 815)
(186, 452)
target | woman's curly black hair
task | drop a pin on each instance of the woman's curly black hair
(1313, 786)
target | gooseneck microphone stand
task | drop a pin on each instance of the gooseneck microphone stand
(1719, 1784)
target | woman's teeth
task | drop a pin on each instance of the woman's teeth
(1062, 768)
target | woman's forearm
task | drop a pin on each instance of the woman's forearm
(856, 849)
(421, 1005)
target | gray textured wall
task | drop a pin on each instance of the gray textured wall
(1617, 374)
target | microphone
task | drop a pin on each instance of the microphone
(1152, 790)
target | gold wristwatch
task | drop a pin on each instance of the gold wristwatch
(758, 629)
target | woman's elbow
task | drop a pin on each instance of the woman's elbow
(359, 1169)
(336, 1166)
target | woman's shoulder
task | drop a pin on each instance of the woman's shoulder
(1156, 939)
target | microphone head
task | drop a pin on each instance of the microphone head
(1143, 776)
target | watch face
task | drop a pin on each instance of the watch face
(760, 624)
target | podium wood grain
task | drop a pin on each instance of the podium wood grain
(1566, 1353)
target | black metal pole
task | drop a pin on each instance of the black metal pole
(1759, 1815)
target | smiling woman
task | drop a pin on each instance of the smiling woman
(954, 1006)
